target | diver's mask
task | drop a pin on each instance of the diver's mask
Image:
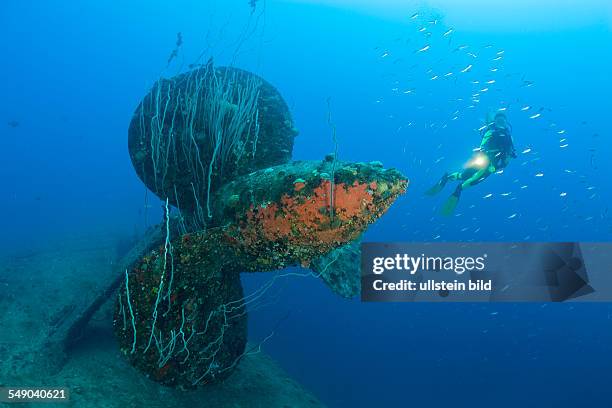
(500, 121)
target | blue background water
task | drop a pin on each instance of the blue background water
(73, 72)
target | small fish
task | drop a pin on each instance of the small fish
(425, 48)
(488, 195)
(448, 74)
(433, 78)
(525, 108)
(491, 82)
(494, 69)
(539, 175)
(471, 54)
(423, 29)
(536, 116)
(513, 216)
(484, 90)
(563, 146)
(462, 47)
(561, 132)
(13, 123)
(502, 52)
(527, 150)
(563, 194)
(409, 91)
(467, 69)
(449, 32)
(497, 58)
(414, 16)
(385, 54)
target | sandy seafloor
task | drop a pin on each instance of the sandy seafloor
(37, 288)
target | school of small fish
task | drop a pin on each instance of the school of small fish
(433, 61)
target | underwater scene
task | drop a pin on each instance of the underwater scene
(192, 189)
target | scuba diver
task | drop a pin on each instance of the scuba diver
(496, 150)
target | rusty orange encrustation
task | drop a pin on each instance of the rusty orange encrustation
(310, 220)
(184, 322)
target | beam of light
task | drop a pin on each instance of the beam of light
(478, 161)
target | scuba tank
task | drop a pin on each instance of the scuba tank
(501, 140)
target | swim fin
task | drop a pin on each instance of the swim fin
(439, 186)
(451, 203)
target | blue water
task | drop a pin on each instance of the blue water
(74, 72)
